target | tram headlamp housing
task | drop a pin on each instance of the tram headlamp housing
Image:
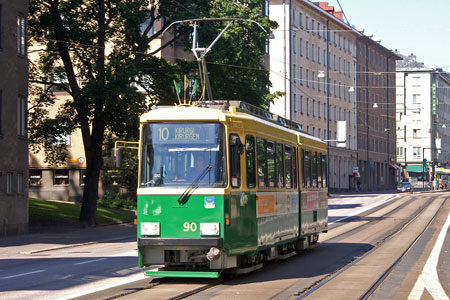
(209, 229)
(150, 228)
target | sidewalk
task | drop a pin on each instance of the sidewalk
(27, 244)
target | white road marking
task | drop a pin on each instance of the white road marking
(429, 278)
(23, 274)
(90, 261)
(363, 209)
(98, 286)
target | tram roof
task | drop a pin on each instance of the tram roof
(220, 110)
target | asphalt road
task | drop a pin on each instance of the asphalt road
(108, 267)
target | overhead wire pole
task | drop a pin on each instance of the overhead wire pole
(200, 53)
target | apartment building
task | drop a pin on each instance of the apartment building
(376, 115)
(313, 60)
(423, 119)
(13, 108)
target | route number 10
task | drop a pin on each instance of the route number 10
(189, 227)
(163, 134)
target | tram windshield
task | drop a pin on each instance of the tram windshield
(178, 154)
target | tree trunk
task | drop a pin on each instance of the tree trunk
(90, 194)
(94, 160)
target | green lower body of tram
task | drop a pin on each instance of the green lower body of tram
(233, 233)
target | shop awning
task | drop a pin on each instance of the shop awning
(416, 168)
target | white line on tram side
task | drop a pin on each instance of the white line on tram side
(429, 278)
(363, 209)
(23, 274)
(90, 261)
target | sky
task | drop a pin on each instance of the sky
(410, 26)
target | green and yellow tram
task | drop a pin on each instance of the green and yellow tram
(225, 187)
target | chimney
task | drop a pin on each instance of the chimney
(330, 10)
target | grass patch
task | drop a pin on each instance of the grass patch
(52, 210)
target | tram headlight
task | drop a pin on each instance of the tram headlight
(209, 228)
(150, 228)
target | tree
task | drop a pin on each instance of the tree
(97, 51)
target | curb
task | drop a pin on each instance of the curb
(74, 245)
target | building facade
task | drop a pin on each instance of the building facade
(376, 115)
(13, 113)
(423, 120)
(313, 60)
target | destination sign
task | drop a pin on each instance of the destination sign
(184, 133)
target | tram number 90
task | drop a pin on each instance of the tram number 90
(189, 226)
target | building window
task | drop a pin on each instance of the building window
(301, 75)
(307, 49)
(294, 43)
(313, 52)
(318, 84)
(60, 177)
(307, 78)
(313, 108)
(324, 111)
(416, 133)
(318, 111)
(20, 183)
(35, 177)
(21, 35)
(318, 29)
(301, 105)
(9, 183)
(82, 176)
(295, 103)
(417, 152)
(301, 47)
(399, 151)
(21, 116)
(294, 12)
(300, 19)
(313, 77)
(307, 107)
(312, 25)
(416, 98)
(307, 22)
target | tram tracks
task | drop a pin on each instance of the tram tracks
(317, 290)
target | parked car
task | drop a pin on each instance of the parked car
(405, 187)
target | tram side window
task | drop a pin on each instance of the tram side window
(303, 169)
(250, 161)
(261, 160)
(324, 170)
(294, 171)
(288, 164)
(271, 163)
(314, 169)
(307, 168)
(319, 170)
(236, 149)
(279, 165)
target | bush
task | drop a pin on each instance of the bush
(114, 199)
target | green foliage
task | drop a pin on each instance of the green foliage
(114, 199)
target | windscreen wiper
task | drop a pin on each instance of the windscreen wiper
(191, 188)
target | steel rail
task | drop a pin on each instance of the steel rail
(370, 291)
